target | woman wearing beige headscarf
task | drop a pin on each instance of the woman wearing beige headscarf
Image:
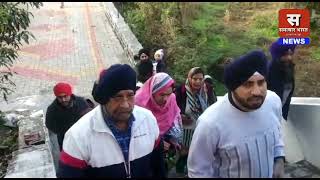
(192, 100)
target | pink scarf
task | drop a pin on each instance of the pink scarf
(165, 115)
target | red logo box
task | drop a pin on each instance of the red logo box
(294, 23)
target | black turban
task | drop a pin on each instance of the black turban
(241, 69)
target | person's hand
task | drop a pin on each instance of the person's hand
(278, 168)
(176, 145)
(186, 120)
(184, 150)
(166, 146)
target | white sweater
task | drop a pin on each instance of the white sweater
(230, 143)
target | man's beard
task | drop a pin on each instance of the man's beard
(244, 102)
(68, 104)
(288, 71)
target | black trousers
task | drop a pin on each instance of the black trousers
(159, 169)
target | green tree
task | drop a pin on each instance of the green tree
(14, 21)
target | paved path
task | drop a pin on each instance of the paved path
(72, 44)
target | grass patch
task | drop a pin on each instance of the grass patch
(9, 144)
(220, 89)
(210, 13)
(315, 54)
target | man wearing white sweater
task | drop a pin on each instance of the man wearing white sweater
(240, 135)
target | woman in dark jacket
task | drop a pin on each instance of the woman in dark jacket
(209, 89)
(159, 61)
(192, 100)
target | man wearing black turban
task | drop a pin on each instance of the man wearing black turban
(144, 66)
(281, 74)
(240, 135)
(116, 139)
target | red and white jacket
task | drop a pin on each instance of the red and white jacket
(90, 148)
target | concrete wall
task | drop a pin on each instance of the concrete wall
(31, 161)
(127, 39)
(304, 117)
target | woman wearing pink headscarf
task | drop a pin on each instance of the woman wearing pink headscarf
(157, 95)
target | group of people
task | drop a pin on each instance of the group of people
(130, 130)
(148, 65)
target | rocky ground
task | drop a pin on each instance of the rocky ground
(8, 144)
(301, 169)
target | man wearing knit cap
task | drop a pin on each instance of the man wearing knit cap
(64, 111)
(96, 82)
(117, 138)
(281, 74)
(240, 135)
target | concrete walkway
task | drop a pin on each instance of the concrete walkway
(72, 44)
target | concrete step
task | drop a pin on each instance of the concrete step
(35, 161)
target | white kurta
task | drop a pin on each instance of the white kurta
(230, 143)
